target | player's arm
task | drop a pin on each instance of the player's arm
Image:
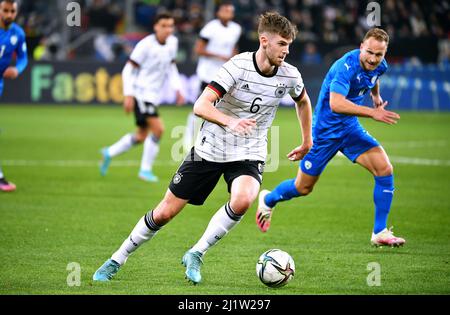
(129, 75)
(339, 104)
(13, 72)
(304, 114)
(200, 50)
(376, 96)
(339, 89)
(204, 108)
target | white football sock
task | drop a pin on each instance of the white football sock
(124, 144)
(219, 225)
(151, 149)
(140, 234)
(1, 173)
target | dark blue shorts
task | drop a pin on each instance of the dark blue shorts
(352, 145)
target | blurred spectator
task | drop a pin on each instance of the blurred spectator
(47, 49)
(104, 16)
(320, 21)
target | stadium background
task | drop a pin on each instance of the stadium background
(63, 211)
(83, 64)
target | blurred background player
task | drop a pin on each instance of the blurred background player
(216, 44)
(241, 162)
(12, 41)
(4, 184)
(151, 63)
(336, 128)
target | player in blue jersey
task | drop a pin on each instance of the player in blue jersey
(12, 40)
(336, 128)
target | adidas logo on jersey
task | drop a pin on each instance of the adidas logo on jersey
(246, 87)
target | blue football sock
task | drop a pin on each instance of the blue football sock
(284, 191)
(383, 194)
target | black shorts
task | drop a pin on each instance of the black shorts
(196, 178)
(143, 110)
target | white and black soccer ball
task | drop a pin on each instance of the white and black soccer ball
(275, 268)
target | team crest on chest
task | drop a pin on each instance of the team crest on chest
(281, 90)
(14, 40)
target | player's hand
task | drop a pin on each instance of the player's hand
(180, 99)
(377, 101)
(128, 104)
(386, 116)
(242, 127)
(11, 73)
(299, 152)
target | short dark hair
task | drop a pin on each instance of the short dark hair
(162, 16)
(378, 34)
(273, 22)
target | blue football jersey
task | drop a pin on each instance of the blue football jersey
(12, 40)
(346, 77)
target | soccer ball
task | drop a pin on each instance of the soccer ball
(275, 268)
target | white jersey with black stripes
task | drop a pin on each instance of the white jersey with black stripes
(154, 60)
(246, 92)
(221, 39)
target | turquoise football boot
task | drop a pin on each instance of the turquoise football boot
(193, 261)
(107, 271)
(106, 161)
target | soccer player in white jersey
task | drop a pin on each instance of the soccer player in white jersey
(247, 91)
(150, 64)
(216, 44)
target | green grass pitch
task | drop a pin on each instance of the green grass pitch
(63, 211)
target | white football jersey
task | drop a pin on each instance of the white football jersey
(154, 62)
(246, 93)
(221, 40)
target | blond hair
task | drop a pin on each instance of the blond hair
(273, 22)
(378, 34)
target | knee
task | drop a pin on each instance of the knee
(163, 215)
(386, 170)
(140, 137)
(158, 133)
(241, 203)
(303, 189)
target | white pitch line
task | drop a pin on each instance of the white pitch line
(339, 161)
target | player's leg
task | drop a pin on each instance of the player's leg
(151, 148)
(311, 166)
(4, 184)
(360, 147)
(145, 230)
(127, 141)
(376, 161)
(244, 190)
(302, 185)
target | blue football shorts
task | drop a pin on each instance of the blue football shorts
(352, 145)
